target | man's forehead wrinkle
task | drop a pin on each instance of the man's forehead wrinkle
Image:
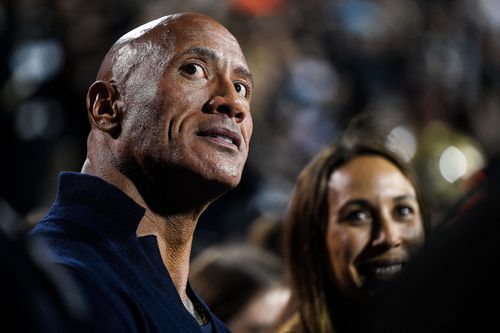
(202, 22)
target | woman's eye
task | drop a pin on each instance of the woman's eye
(358, 216)
(193, 70)
(240, 89)
(404, 211)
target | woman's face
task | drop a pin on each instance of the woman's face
(374, 224)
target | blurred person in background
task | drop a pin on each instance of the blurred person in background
(37, 295)
(242, 284)
(354, 223)
(266, 232)
(170, 130)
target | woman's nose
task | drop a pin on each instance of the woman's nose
(387, 233)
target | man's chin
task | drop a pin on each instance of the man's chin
(226, 175)
(224, 183)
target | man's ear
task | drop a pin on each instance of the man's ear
(103, 107)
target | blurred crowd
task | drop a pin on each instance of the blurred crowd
(422, 75)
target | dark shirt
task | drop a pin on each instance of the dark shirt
(91, 230)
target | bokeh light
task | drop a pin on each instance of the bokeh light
(38, 119)
(35, 62)
(452, 164)
(403, 142)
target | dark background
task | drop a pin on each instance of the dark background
(426, 73)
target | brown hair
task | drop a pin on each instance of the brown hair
(306, 254)
(229, 276)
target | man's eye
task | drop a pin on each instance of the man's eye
(240, 89)
(193, 70)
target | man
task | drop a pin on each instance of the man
(170, 131)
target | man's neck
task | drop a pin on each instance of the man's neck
(174, 236)
(174, 231)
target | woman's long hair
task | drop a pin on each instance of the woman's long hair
(306, 254)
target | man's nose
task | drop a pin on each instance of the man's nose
(387, 233)
(227, 101)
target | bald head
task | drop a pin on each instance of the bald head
(173, 94)
(157, 37)
(137, 59)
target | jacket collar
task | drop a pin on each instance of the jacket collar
(98, 205)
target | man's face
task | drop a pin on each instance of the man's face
(188, 104)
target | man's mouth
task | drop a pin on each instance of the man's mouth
(222, 136)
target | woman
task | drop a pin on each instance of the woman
(354, 222)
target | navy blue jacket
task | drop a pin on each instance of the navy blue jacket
(91, 230)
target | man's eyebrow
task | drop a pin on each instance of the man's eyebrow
(246, 73)
(210, 54)
(201, 52)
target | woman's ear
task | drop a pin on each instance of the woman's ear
(103, 108)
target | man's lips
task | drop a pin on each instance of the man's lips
(222, 135)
